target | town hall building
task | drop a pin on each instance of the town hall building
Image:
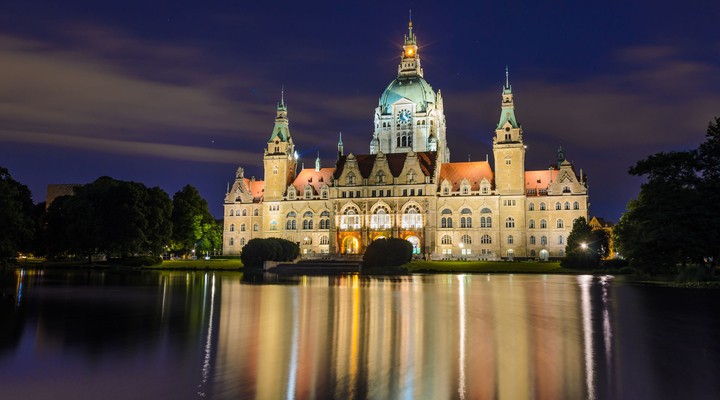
(407, 187)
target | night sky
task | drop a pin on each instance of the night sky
(178, 92)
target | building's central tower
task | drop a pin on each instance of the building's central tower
(410, 114)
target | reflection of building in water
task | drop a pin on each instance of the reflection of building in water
(419, 337)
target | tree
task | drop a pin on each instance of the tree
(17, 227)
(585, 246)
(675, 218)
(192, 221)
(111, 217)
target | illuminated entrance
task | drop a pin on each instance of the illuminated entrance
(544, 255)
(415, 243)
(511, 254)
(350, 245)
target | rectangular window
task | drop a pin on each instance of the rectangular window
(344, 194)
(404, 192)
(357, 194)
(373, 193)
(419, 192)
(387, 193)
(412, 192)
(352, 194)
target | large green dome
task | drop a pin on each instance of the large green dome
(413, 88)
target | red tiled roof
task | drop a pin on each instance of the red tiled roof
(314, 178)
(539, 179)
(256, 188)
(473, 171)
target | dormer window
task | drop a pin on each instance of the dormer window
(380, 177)
(411, 176)
(351, 179)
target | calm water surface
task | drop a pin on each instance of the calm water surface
(177, 335)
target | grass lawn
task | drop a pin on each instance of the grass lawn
(232, 264)
(486, 266)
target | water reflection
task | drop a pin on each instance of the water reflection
(221, 335)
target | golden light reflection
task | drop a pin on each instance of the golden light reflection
(406, 337)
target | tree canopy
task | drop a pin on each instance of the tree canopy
(111, 217)
(675, 218)
(17, 226)
(194, 228)
(585, 246)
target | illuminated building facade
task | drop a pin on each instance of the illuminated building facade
(406, 187)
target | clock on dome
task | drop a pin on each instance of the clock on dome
(404, 116)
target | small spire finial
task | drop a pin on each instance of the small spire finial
(282, 94)
(507, 77)
(317, 161)
(410, 26)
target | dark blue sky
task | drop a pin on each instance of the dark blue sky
(180, 92)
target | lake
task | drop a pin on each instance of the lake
(221, 335)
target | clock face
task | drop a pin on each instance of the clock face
(404, 116)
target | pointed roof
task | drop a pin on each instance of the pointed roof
(507, 114)
(396, 163)
(281, 130)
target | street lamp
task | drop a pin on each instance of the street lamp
(584, 246)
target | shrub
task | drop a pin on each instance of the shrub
(387, 253)
(257, 251)
(694, 273)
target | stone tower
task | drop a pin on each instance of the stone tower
(508, 147)
(280, 161)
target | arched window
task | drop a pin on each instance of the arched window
(543, 224)
(324, 240)
(560, 223)
(256, 227)
(446, 239)
(542, 206)
(244, 213)
(242, 241)
(242, 227)
(412, 218)
(380, 177)
(232, 212)
(466, 239)
(273, 225)
(558, 206)
(351, 179)
(567, 205)
(289, 224)
(256, 212)
(486, 222)
(486, 239)
(350, 219)
(232, 227)
(232, 241)
(446, 222)
(561, 240)
(543, 240)
(531, 224)
(532, 239)
(380, 219)
(509, 222)
(510, 239)
(531, 207)
(576, 206)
